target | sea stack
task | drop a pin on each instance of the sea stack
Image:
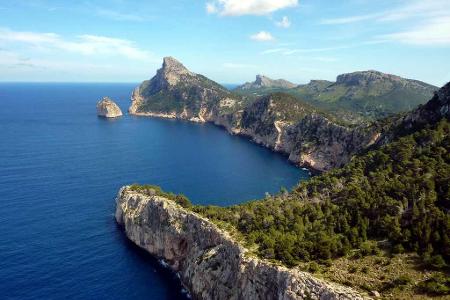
(107, 108)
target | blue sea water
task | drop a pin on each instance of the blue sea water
(61, 167)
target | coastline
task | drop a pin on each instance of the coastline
(173, 116)
(210, 263)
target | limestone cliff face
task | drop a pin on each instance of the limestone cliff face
(210, 263)
(108, 108)
(284, 124)
(314, 141)
(322, 145)
(176, 92)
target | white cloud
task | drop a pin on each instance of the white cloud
(431, 19)
(211, 8)
(248, 7)
(262, 36)
(83, 44)
(434, 32)
(17, 67)
(413, 9)
(275, 50)
(284, 22)
(117, 16)
(347, 20)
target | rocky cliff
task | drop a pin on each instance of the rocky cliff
(307, 136)
(209, 262)
(278, 121)
(176, 92)
(108, 108)
(262, 81)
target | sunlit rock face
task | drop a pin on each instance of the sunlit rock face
(107, 108)
(207, 259)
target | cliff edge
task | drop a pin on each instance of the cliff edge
(209, 262)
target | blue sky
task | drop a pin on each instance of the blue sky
(229, 41)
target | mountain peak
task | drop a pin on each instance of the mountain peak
(262, 81)
(372, 77)
(171, 72)
(170, 64)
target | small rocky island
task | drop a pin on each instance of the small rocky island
(107, 108)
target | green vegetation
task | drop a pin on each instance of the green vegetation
(281, 107)
(436, 285)
(381, 223)
(192, 93)
(370, 100)
(399, 192)
(398, 195)
(151, 190)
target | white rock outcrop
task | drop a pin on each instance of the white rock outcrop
(108, 108)
(209, 262)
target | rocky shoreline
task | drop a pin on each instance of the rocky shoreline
(210, 264)
(337, 144)
(306, 136)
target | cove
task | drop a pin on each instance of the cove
(61, 167)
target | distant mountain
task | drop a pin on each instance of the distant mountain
(278, 121)
(369, 94)
(262, 82)
(293, 123)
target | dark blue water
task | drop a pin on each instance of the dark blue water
(61, 167)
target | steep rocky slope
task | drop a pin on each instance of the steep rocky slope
(392, 198)
(278, 121)
(209, 262)
(309, 137)
(176, 92)
(262, 82)
(424, 115)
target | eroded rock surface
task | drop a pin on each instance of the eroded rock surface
(108, 108)
(210, 263)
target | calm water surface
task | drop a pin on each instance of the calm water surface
(61, 167)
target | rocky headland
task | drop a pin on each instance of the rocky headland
(209, 262)
(279, 121)
(107, 108)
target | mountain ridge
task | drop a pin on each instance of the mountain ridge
(290, 132)
(262, 81)
(368, 94)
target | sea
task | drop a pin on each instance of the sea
(61, 167)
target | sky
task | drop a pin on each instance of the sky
(229, 41)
